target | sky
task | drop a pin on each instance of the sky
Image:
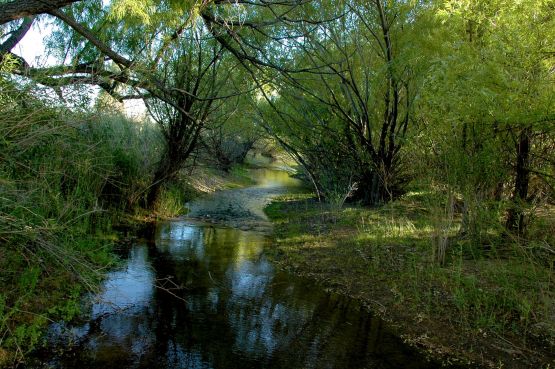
(32, 49)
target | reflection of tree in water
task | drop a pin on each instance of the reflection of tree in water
(238, 310)
(233, 310)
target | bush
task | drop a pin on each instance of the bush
(64, 177)
(134, 149)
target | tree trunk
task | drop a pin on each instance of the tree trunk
(155, 189)
(23, 8)
(516, 221)
(372, 190)
(167, 169)
(178, 151)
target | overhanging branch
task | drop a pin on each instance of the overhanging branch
(18, 9)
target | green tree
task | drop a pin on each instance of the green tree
(361, 70)
(491, 93)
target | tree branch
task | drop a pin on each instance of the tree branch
(16, 35)
(18, 9)
(105, 49)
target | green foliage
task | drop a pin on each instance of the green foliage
(490, 85)
(64, 176)
(364, 95)
(134, 149)
(383, 256)
(172, 199)
(348, 125)
(231, 133)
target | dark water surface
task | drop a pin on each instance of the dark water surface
(203, 296)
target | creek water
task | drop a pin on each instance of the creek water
(198, 295)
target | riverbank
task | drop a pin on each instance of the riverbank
(242, 207)
(497, 311)
(192, 184)
(47, 268)
(194, 294)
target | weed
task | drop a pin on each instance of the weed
(481, 286)
(65, 177)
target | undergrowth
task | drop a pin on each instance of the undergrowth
(65, 178)
(497, 293)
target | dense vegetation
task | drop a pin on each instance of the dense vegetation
(379, 102)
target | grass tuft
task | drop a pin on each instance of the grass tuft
(489, 298)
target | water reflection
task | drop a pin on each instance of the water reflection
(130, 288)
(274, 178)
(224, 306)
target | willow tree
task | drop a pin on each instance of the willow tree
(491, 94)
(157, 60)
(196, 75)
(361, 70)
(232, 132)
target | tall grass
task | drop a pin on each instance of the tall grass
(133, 148)
(64, 176)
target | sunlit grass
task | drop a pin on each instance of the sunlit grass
(486, 285)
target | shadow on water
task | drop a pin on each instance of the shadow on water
(199, 296)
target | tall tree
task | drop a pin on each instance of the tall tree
(196, 73)
(362, 68)
(492, 84)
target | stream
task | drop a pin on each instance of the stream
(199, 292)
